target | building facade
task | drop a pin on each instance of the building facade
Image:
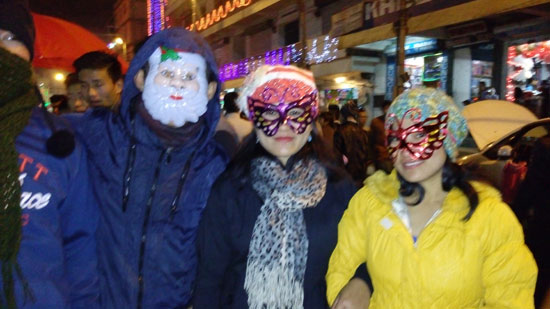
(456, 45)
(130, 21)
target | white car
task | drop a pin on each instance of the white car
(521, 140)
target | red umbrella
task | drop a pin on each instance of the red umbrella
(59, 42)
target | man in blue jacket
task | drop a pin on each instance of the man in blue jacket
(48, 216)
(152, 166)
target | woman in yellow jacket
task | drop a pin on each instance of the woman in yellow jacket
(429, 237)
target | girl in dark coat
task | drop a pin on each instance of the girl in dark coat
(271, 220)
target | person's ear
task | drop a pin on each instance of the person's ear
(139, 80)
(212, 89)
(119, 85)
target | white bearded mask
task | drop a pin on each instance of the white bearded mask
(175, 90)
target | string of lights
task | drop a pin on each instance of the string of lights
(218, 14)
(282, 56)
(155, 15)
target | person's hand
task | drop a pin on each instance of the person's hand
(355, 295)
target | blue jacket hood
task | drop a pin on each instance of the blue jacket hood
(173, 38)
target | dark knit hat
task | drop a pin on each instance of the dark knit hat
(16, 17)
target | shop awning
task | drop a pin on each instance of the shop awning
(449, 16)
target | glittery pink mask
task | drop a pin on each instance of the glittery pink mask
(282, 101)
(420, 139)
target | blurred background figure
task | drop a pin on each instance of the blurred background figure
(335, 110)
(362, 118)
(532, 206)
(240, 126)
(101, 77)
(493, 170)
(326, 119)
(59, 104)
(513, 174)
(75, 95)
(545, 93)
(351, 144)
(378, 139)
(519, 96)
(482, 86)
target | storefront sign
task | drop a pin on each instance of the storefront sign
(380, 12)
(347, 20)
(420, 46)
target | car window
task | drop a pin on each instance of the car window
(538, 131)
(522, 142)
(524, 145)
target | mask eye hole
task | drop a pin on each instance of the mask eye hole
(189, 76)
(167, 73)
(416, 137)
(270, 115)
(296, 112)
(393, 141)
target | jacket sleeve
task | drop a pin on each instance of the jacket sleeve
(79, 218)
(214, 251)
(509, 271)
(351, 248)
(339, 145)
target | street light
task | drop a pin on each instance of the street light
(118, 41)
(59, 77)
(340, 80)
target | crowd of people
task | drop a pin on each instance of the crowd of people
(150, 197)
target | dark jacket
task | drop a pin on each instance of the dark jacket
(378, 142)
(353, 142)
(226, 230)
(151, 196)
(58, 249)
(532, 206)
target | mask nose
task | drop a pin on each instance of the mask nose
(177, 83)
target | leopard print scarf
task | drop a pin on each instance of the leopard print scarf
(279, 246)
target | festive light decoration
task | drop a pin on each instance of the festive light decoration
(539, 50)
(218, 14)
(155, 15)
(330, 49)
(282, 56)
(509, 79)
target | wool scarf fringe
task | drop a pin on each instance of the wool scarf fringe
(17, 98)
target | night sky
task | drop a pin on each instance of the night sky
(94, 15)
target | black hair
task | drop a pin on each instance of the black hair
(335, 110)
(98, 60)
(58, 98)
(229, 104)
(350, 109)
(72, 79)
(239, 167)
(453, 176)
(140, 44)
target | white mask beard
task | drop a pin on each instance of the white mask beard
(179, 96)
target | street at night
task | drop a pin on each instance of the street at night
(274, 154)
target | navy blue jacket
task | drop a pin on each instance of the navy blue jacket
(151, 196)
(58, 250)
(226, 230)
